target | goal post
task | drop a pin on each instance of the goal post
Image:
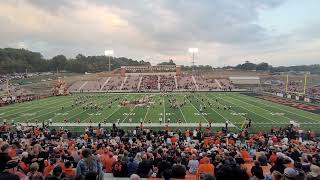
(304, 90)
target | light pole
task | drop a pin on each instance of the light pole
(193, 51)
(109, 53)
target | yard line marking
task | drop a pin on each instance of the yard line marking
(247, 110)
(56, 110)
(266, 104)
(117, 110)
(182, 115)
(24, 104)
(145, 116)
(45, 109)
(196, 109)
(258, 107)
(82, 111)
(219, 113)
(34, 106)
(48, 112)
(89, 115)
(164, 110)
(132, 109)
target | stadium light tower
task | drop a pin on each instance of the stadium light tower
(193, 51)
(109, 53)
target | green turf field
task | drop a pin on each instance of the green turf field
(264, 114)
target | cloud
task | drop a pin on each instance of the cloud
(226, 32)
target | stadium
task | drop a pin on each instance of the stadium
(163, 96)
(159, 90)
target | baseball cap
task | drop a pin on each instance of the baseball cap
(290, 172)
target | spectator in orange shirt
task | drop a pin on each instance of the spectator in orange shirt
(47, 170)
(68, 170)
(206, 167)
(244, 153)
(107, 163)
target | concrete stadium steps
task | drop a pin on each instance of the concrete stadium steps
(83, 85)
(114, 83)
(76, 86)
(131, 83)
(91, 86)
(124, 81)
(176, 81)
(195, 82)
(206, 84)
(218, 83)
(159, 83)
(139, 84)
(186, 83)
(106, 82)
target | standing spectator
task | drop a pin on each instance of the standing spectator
(34, 174)
(179, 170)
(257, 171)
(87, 165)
(68, 170)
(132, 166)
(206, 167)
(144, 167)
(4, 157)
(193, 165)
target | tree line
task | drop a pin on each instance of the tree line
(249, 66)
(19, 60)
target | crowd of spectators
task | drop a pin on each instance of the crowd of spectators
(149, 82)
(186, 83)
(206, 83)
(131, 83)
(167, 83)
(40, 153)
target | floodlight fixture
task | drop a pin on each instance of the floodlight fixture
(109, 52)
(193, 51)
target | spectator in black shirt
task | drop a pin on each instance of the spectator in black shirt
(179, 170)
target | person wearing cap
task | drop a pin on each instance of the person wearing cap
(290, 174)
(9, 173)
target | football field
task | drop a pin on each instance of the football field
(180, 110)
